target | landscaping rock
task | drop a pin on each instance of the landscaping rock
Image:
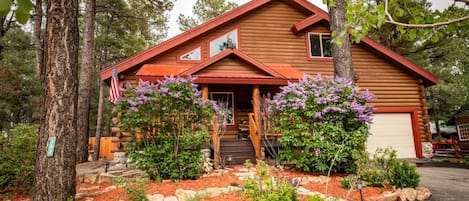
(392, 196)
(423, 193)
(184, 195)
(155, 197)
(408, 194)
(234, 189)
(81, 195)
(171, 198)
(119, 157)
(245, 175)
(133, 174)
(213, 191)
(106, 177)
(90, 177)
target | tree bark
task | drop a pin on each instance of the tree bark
(341, 53)
(54, 177)
(99, 121)
(38, 39)
(84, 88)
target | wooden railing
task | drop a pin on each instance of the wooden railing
(255, 135)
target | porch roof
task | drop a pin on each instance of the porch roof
(262, 73)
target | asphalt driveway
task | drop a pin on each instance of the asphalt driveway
(445, 183)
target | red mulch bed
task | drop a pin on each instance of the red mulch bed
(168, 188)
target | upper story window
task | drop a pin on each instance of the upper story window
(193, 55)
(319, 45)
(228, 40)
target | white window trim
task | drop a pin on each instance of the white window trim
(224, 35)
(190, 52)
(320, 44)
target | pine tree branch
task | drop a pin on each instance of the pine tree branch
(391, 20)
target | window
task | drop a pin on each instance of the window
(191, 56)
(319, 45)
(225, 100)
(229, 40)
(463, 131)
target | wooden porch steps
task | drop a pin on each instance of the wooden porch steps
(240, 151)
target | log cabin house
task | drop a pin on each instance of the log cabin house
(262, 45)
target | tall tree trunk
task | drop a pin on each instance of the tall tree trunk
(54, 177)
(38, 39)
(85, 82)
(99, 121)
(341, 53)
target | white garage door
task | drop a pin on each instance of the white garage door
(392, 130)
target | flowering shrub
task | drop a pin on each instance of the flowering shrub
(322, 122)
(173, 120)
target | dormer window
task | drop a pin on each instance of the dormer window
(226, 41)
(319, 45)
(193, 55)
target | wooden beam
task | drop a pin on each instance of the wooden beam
(256, 139)
(205, 91)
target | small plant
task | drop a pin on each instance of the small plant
(404, 175)
(349, 181)
(248, 164)
(315, 198)
(119, 182)
(374, 170)
(197, 197)
(136, 191)
(267, 187)
(384, 168)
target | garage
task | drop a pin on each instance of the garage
(392, 130)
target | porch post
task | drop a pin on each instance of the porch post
(256, 108)
(214, 135)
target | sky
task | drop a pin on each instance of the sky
(185, 7)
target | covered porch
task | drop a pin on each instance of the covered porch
(239, 79)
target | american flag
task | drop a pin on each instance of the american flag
(114, 93)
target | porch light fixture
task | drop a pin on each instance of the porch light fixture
(106, 166)
(359, 185)
(230, 159)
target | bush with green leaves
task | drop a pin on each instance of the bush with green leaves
(404, 175)
(265, 186)
(17, 156)
(348, 182)
(323, 122)
(172, 119)
(383, 168)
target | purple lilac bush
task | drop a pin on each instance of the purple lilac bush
(323, 122)
(172, 118)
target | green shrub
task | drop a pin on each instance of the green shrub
(375, 170)
(384, 168)
(404, 175)
(17, 157)
(136, 191)
(173, 120)
(323, 122)
(267, 187)
(315, 198)
(348, 182)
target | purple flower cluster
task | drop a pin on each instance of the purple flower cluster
(172, 88)
(331, 97)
